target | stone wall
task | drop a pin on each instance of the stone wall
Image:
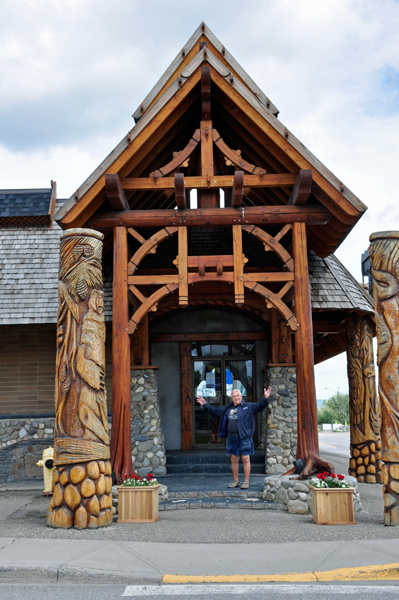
(281, 439)
(295, 496)
(22, 442)
(148, 449)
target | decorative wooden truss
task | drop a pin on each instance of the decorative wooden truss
(198, 269)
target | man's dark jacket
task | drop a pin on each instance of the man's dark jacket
(245, 416)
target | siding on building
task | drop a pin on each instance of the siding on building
(27, 369)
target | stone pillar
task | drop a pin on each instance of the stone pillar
(148, 449)
(82, 480)
(364, 408)
(282, 421)
(384, 254)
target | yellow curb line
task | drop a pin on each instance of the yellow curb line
(367, 573)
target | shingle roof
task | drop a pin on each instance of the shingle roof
(29, 257)
(17, 206)
(333, 287)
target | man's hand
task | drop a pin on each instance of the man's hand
(201, 401)
(267, 392)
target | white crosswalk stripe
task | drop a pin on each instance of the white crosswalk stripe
(272, 590)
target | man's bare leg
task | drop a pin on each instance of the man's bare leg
(246, 461)
(234, 466)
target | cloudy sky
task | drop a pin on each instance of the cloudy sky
(73, 72)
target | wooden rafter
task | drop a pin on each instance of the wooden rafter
(215, 217)
(208, 180)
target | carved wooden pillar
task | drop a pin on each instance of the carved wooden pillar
(384, 254)
(82, 478)
(364, 408)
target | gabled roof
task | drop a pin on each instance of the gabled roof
(233, 67)
(25, 206)
(243, 116)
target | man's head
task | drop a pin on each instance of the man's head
(236, 397)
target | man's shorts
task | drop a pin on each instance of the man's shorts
(237, 446)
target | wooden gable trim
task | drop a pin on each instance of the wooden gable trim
(183, 59)
(339, 205)
(146, 139)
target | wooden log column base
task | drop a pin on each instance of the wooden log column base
(365, 463)
(81, 496)
(390, 479)
(384, 254)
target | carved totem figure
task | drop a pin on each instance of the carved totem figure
(384, 254)
(364, 409)
(82, 476)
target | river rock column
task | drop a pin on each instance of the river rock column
(82, 480)
(364, 408)
(384, 254)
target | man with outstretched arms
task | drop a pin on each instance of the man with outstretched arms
(237, 423)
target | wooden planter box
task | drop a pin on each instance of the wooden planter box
(138, 504)
(333, 506)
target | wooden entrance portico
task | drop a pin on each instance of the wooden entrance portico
(274, 191)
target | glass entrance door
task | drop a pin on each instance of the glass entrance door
(214, 378)
(208, 384)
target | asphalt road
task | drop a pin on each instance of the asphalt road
(387, 591)
(335, 442)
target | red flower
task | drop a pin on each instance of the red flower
(341, 477)
(333, 475)
(125, 477)
(150, 476)
(326, 473)
(321, 476)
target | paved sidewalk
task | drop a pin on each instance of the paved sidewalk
(194, 546)
(82, 561)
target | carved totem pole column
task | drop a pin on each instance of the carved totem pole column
(82, 476)
(384, 254)
(364, 408)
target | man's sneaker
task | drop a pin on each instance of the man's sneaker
(234, 484)
(245, 486)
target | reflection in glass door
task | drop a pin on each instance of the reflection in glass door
(214, 379)
(208, 384)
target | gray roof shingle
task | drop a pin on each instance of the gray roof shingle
(342, 290)
(24, 203)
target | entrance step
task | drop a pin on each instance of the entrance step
(180, 462)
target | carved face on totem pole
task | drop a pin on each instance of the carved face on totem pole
(81, 409)
(384, 254)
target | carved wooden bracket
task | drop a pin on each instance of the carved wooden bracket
(148, 246)
(273, 243)
(115, 193)
(302, 187)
